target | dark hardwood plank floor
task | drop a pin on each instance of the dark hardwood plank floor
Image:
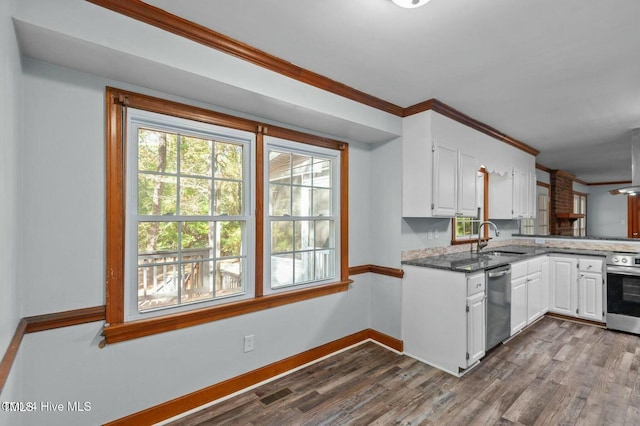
(553, 373)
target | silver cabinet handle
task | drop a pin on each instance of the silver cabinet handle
(498, 274)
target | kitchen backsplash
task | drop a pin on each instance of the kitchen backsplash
(560, 243)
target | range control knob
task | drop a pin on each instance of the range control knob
(615, 260)
(624, 260)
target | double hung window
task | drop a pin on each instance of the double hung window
(189, 213)
(301, 226)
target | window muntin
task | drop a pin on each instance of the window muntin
(301, 218)
(188, 220)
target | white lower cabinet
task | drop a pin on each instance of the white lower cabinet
(443, 317)
(577, 287)
(545, 284)
(476, 331)
(590, 288)
(534, 297)
(518, 304)
(563, 271)
(528, 287)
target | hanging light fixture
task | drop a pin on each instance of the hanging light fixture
(410, 3)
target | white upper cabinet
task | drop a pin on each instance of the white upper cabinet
(521, 184)
(455, 183)
(440, 160)
(445, 181)
(468, 184)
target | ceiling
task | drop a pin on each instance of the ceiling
(561, 76)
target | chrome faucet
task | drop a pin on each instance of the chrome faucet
(482, 244)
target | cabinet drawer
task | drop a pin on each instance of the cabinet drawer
(518, 269)
(590, 265)
(535, 265)
(475, 284)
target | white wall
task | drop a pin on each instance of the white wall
(606, 213)
(386, 212)
(542, 176)
(62, 262)
(578, 187)
(10, 104)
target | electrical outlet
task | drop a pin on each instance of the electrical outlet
(248, 343)
(436, 233)
(539, 241)
(430, 234)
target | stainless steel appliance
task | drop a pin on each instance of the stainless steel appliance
(498, 305)
(623, 292)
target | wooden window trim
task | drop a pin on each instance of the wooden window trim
(485, 215)
(117, 329)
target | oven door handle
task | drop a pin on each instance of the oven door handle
(623, 270)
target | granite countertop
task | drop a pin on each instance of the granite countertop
(572, 237)
(493, 258)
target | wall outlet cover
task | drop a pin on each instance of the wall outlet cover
(539, 241)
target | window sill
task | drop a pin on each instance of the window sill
(132, 330)
(468, 241)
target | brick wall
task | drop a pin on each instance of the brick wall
(561, 202)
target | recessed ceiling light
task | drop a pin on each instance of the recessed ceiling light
(410, 3)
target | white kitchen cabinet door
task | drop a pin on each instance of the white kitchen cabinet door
(476, 334)
(534, 297)
(544, 287)
(445, 181)
(516, 196)
(500, 203)
(590, 289)
(468, 185)
(533, 195)
(562, 271)
(518, 304)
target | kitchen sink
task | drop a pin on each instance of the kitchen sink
(484, 260)
(503, 253)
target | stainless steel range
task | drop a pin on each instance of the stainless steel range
(623, 292)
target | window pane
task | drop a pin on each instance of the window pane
(157, 286)
(156, 194)
(195, 156)
(304, 267)
(197, 282)
(279, 167)
(197, 240)
(157, 151)
(228, 198)
(325, 264)
(321, 202)
(281, 236)
(474, 227)
(229, 277)
(229, 238)
(279, 200)
(157, 237)
(304, 235)
(301, 169)
(324, 234)
(322, 173)
(195, 197)
(228, 160)
(281, 270)
(301, 201)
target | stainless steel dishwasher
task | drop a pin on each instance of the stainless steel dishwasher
(498, 305)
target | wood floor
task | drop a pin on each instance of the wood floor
(553, 373)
